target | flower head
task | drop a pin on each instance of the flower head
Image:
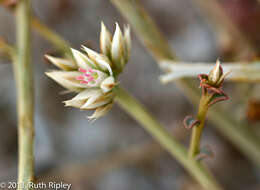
(216, 73)
(215, 77)
(93, 75)
(212, 83)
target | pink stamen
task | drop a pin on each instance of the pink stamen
(80, 77)
(83, 82)
(90, 79)
(82, 70)
(87, 76)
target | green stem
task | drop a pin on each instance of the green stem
(197, 130)
(25, 97)
(240, 136)
(246, 141)
(196, 169)
(140, 114)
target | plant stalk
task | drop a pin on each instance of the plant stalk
(126, 101)
(25, 94)
(194, 148)
(153, 40)
(140, 114)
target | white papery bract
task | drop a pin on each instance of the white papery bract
(93, 75)
(117, 48)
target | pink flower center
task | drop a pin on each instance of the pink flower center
(88, 76)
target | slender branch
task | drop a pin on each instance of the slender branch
(240, 71)
(195, 168)
(249, 143)
(239, 135)
(137, 111)
(197, 130)
(51, 36)
(25, 98)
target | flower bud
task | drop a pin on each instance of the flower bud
(105, 40)
(127, 42)
(82, 60)
(63, 64)
(117, 49)
(67, 79)
(108, 84)
(101, 61)
(101, 111)
(215, 74)
(93, 75)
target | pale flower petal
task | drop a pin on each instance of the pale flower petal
(84, 95)
(89, 103)
(101, 111)
(67, 79)
(91, 53)
(95, 102)
(105, 40)
(215, 73)
(74, 103)
(85, 99)
(63, 64)
(117, 46)
(96, 57)
(104, 64)
(127, 39)
(223, 77)
(108, 84)
(82, 60)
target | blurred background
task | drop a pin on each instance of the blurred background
(115, 153)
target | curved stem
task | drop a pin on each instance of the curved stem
(140, 114)
(246, 141)
(25, 98)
